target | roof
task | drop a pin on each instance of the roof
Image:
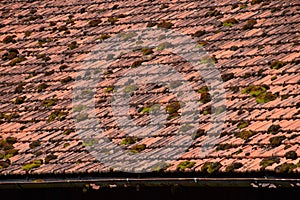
(253, 44)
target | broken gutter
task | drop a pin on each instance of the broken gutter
(149, 182)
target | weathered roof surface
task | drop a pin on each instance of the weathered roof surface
(254, 44)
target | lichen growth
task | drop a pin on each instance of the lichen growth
(173, 107)
(260, 93)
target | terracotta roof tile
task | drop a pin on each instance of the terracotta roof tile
(245, 51)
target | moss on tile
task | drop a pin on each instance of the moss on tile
(68, 131)
(128, 140)
(277, 64)
(211, 167)
(10, 54)
(88, 142)
(249, 24)
(205, 96)
(57, 115)
(254, 90)
(79, 108)
(165, 24)
(33, 164)
(233, 166)
(266, 97)
(4, 163)
(273, 78)
(185, 165)
(234, 89)
(285, 168)
(42, 86)
(138, 148)
(19, 100)
(73, 45)
(227, 77)
(63, 67)
(34, 144)
(17, 60)
(220, 109)
(291, 155)
(274, 129)
(94, 22)
(136, 63)
(268, 161)
(145, 110)
(200, 132)
(82, 117)
(164, 45)
(112, 20)
(199, 33)
(224, 146)
(276, 140)
(50, 157)
(151, 24)
(245, 134)
(253, 2)
(147, 51)
(243, 124)
(109, 89)
(230, 22)
(234, 48)
(104, 37)
(66, 80)
(66, 144)
(173, 107)
(213, 13)
(9, 39)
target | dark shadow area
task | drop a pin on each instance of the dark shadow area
(145, 193)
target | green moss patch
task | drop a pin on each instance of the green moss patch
(9, 39)
(49, 102)
(112, 20)
(66, 80)
(276, 64)
(260, 93)
(58, 115)
(249, 24)
(73, 45)
(19, 100)
(243, 124)
(165, 24)
(82, 117)
(17, 60)
(4, 163)
(268, 161)
(274, 128)
(291, 155)
(285, 168)
(50, 157)
(185, 165)
(136, 63)
(224, 146)
(94, 23)
(230, 22)
(173, 107)
(128, 140)
(41, 87)
(34, 144)
(276, 141)
(205, 96)
(245, 134)
(199, 33)
(227, 77)
(233, 166)
(211, 167)
(147, 51)
(33, 164)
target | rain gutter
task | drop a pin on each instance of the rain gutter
(149, 182)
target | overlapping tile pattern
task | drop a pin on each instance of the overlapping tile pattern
(255, 44)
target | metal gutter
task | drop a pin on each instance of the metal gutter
(149, 182)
